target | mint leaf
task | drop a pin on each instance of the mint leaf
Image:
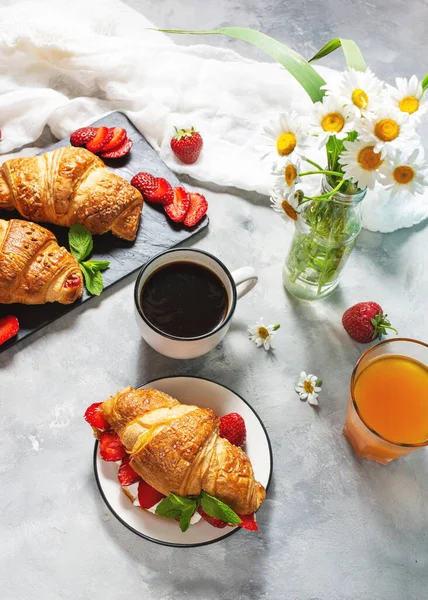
(80, 241)
(186, 515)
(167, 509)
(177, 507)
(93, 280)
(218, 509)
(97, 265)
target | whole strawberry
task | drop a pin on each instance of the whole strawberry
(366, 322)
(232, 427)
(187, 145)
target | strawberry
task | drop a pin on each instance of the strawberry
(144, 182)
(187, 145)
(119, 136)
(120, 151)
(366, 322)
(248, 522)
(126, 474)
(147, 495)
(179, 206)
(95, 417)
(197, 209)
(9, 326)
(232, 427)
(111, 448)
(82, 136)
(212, 520)
(100, 139)
(154, 189)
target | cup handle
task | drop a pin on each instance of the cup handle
(245, 279)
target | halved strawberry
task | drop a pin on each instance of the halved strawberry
(119, 136)
(177, 209)
(212, 520)
(82, 136)
(95, 417)
(126, 474)
(111, 448)
(9, 326)
(161, 192)
(147, 495)
(197, 209)
(248, 522)
(122, 150)
(101, 139)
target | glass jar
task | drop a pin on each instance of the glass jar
(317, 257)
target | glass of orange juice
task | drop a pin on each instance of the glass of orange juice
(388, 402)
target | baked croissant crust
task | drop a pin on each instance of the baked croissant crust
(33, 268)
(71, 185)
(176, 448)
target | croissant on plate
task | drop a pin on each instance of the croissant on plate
(33, 268)
(177, 448)
(71, 185)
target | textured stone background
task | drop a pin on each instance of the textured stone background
(333, 527)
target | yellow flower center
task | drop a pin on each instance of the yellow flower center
(308, 387)
(403, 174)
(289, 210)
(290, 174)
(409, 104)
(333, 122)
(286, 143)
(360, 98)
(369, 159)
(263, 333)
(387, 130)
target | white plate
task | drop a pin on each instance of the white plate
(204, 393)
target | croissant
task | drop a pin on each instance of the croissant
(33, 268)
(177, 448)
(71, 185)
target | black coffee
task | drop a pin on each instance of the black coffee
(184, 299)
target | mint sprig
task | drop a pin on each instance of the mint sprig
(81, 246)
(182, 508)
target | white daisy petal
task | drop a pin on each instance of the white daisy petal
(313, 399)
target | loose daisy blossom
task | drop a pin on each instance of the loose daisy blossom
(308, 388)
(408, 96)
(286, 175)
(285, 136)
(288, 208)
(331, 118)
(361, 90)
(402, 174)
(389, 129)
(262, 334)
(360, 163)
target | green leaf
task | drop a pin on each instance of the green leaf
(295, 64)
(218, 509)
(80, 241)
(93, 280)
(186, 515)
(425, 83)
(97, 265)
(177, 507)
(353, 56)
(168, 510)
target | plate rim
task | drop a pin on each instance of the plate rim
(173, 544)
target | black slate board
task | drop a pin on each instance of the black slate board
(156, 232)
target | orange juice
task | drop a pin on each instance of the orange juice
(391, 395)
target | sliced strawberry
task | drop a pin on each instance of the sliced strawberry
(179, 206)
(111, 448)
(147, 495)
(248, 522)
(144, 182)
(161, 192)
(197, 209)
(119, 136)
(126, 474)
(82, 136)
(122, 150)
(101, 139)
(95, 417)
(212, 520)
(9, 326)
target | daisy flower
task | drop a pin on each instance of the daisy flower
(262, 334)
(361, 163)
(286, 175)
(308, 388)
(331, 118)
(288, 207)
(408, 96)
(285, 137)
(361, 90)
(388, 129)
(405, 173)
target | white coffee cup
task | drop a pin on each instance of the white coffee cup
(237, 284)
